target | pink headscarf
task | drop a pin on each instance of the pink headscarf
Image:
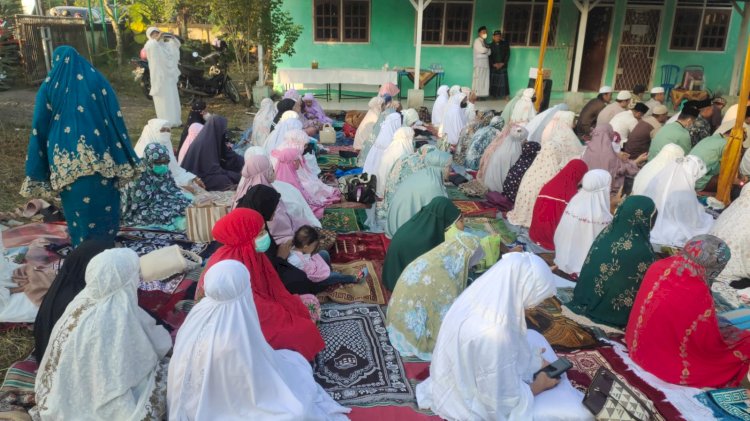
(193, 131)
(288, 161)
(388, 88)
(257, 170)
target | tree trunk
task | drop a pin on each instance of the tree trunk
(119, 48)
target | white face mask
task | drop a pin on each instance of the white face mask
(206, 116)
(483, 36)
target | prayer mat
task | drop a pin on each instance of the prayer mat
(146, 241)
(334, 150)
(343, 220)
(562, 333)
(17, 392)
(167, 286)
(25, 234)
(162, 304)
(359, 246)
(740, 318)
(475, 208)
(348, 205)
(483, 227)
(359, 366)
(328, 163)
(726, 404)
(455, 194)
(370, 291)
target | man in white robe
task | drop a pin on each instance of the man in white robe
(481, 81)
(657, 98)
(163, 53)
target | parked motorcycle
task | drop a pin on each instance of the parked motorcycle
(192, 82)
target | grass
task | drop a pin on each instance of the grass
(15, 345)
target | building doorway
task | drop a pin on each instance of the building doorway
(595, 46)
(637, 53)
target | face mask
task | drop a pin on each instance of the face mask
(206, 116)
(262, 244)
(161, 169)
(483, 36)
(451, 232)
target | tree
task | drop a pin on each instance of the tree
(278, 33)
(9, 64)
(185, 12)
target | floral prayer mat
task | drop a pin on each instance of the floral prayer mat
(146, 241)
(343, 220)
(370, 291)
(17, 392)
(359, 366)
(359, 246)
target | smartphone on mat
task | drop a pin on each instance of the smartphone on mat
(557, 368)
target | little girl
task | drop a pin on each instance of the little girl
(317, 266)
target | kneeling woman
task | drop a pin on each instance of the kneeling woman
(484, 362)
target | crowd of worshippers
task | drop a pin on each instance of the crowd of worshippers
(244, 350)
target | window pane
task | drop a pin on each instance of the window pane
(356, 20)
(458, 23)
(326, 20)
(537, 25)
(715, 29)
(516, 23)
(432, 24)
(687, 25)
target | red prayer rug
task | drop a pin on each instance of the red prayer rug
(475, 208)
(359, 246)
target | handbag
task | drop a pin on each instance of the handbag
(359, 188)
(201, 221)
(327, 135)
(609, 399)
(166, 262)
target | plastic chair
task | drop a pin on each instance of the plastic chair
(669, 75)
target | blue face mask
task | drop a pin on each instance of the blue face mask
(262, 244)
(161, 169)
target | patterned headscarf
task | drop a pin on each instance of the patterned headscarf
(709, 252)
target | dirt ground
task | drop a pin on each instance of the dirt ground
(17, 107)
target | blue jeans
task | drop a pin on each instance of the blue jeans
(336, 277)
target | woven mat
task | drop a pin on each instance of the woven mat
(17, 391)
(359, 366)
(370, 291)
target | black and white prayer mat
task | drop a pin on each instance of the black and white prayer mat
(359, 366)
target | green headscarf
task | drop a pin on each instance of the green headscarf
(616, 264)
(420, 234)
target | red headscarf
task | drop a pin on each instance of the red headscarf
(551, 202)
(285, 321)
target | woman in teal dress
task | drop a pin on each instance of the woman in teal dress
(616, 264)
(79, 147)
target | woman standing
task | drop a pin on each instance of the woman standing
(163, 52)
(79, 147)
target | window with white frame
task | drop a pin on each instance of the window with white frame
(341, 20)
(523, 22)
(701, 25)
(448, 22)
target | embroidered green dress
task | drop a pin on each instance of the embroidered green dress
(616, 264)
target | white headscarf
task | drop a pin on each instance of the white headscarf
(104, 352)
(402, 145)
(163, 61)
(666, 156)
(385, 137)
(680, 216)
(560, 128)
(482, 361)
(455, 89)
(152, 134)
(365, 126)
(223, 368)
(262, 121)
(504, 157)
(411, 117)
(289, 121)
(586, 215)
(438, 108)
(454, 119)
(537, 125)
(735, 231)
(524, 110)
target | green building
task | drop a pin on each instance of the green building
(624, 42)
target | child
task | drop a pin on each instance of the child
(316, 266)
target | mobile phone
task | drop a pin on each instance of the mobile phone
(557, 368)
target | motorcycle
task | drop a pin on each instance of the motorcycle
(192, 83)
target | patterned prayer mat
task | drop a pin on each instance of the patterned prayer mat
(359, 366)
(726, 404)
(348, 205)
(333, 162)
(370, 291)
(455, 194)
(17, 391)
(146, 241)
(471, 208)
(344, 220)
(359, 246)
(483, 227)
(562, 333)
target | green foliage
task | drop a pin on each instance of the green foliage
(277, 35)
(10, 70)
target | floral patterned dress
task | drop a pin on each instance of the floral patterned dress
(403, 168)
(424, 293)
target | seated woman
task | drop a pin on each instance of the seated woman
(287, 166)
(308, 169)
(420, 234)
(285, 321)
(275, 384)
(733, 230)
(681, 216)
(154, 200)
(402, 168)
(587, 214)
(192, 133)
(417, 190)
(289, 121)
(70, 280)
(600, 155)
(484, 363)
(467, 135)
(481, 140)
(389, 108)
(668, 154)
(197, 115)
(551, 203)
(385, 136)
(500, 156)
(425, 291)
(401, 146)
(313, 112)
(158, 131)
(113, 376)
(614, 268)
(374, 108)
(211, 159)
(529, 152)
(262, 122)
(454, 119)
(673, 331)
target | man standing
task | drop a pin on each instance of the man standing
(590, 111)
(676, 133)
(624, 122)
(657, 98)
(610, 111)
(640, 137)
(701, 128)
(481, 81)
(163, 53)
(499, 57)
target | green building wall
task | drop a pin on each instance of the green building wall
(392, 41)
